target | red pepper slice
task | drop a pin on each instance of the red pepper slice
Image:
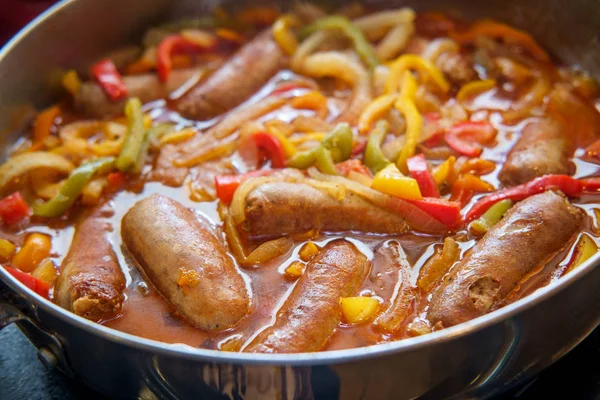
(38, 286)
(353, 165)
(447, 212)
(286, 87)
(272, 148)
(419, 170)
(461, 136)
(13, 208)
(590, 185)
(116, 180)
(359, 147)
(169, 46)
(226, 185)
(108, 77)
(566, 184)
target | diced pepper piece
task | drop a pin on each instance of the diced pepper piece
(46, 271)
(294, 270)
(7, 249)
(38, 286)
(491, 217)
(356, 310)
(108, 77)
(419, 170)
(584, 249)
(391, 181)
(71, 189)
(445, 211)
(37, 247)
(308, 251)
(13, 209)
(226, 185)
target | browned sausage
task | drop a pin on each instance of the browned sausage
(185, 262)
(543, 149)
(311, 313)
(277, 208)
(238, 79)
(456, 67)
(91, 282)
(530, 234)
(92, 101)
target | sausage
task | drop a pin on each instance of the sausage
(185, 262)
(529, 235)
(92, 101)
(277, 208)
(238, 79)
(91, 282)
(456, 67)
(311, 313)
(542, 149)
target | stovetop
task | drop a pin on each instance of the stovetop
(22, 376)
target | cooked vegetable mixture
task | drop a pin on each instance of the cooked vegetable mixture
(295, 182)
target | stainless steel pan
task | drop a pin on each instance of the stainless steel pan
(477, 359)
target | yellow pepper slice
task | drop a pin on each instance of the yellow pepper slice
(288, 146)
(375, 110)
(471, 89)
(442, 173)
(313, 100)
(409, 62)
(37, 246)
(414, 120)
(71, 82)
(177, 137)
(391, 181)
(283, 35)
(356, 310)
(585, 248)
(7, 249)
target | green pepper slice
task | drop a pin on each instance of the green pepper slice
(374, 159)
(134, 136)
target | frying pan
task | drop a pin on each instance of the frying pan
(479, 359)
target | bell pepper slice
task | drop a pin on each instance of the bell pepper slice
(271, 147)
(374, 110)
(466, 137)
(408, 62)
(361, 44)
(566, 184)
(444, 171)
(584, 249)
(154, 133)
(419, 170)
(283, 34)
(42, 127)
(108, 77)
(445, 211)
(134, 138)
(226, 185)
(414, 119)
(590, 185)
(491, 216)
(71, 189)
(465, 187)
(338, 146)
(37, 285)
(471, 89)
(391, 181)
(13, 209)
(374, 158)
(172, 45)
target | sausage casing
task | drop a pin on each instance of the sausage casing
(240, 77)
(311, 313)
(530, 234)
(543, 149)
(91, 282)
(185, 262)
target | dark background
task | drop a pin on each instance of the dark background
(22, 376)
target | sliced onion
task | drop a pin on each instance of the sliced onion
(269, 250)
(534, 97)
(376, 25)
(24, 163)
(347, 68)
(395, 41)
(238, 203)
(438, 46)
(233, 238)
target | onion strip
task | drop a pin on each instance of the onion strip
(21, 164)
